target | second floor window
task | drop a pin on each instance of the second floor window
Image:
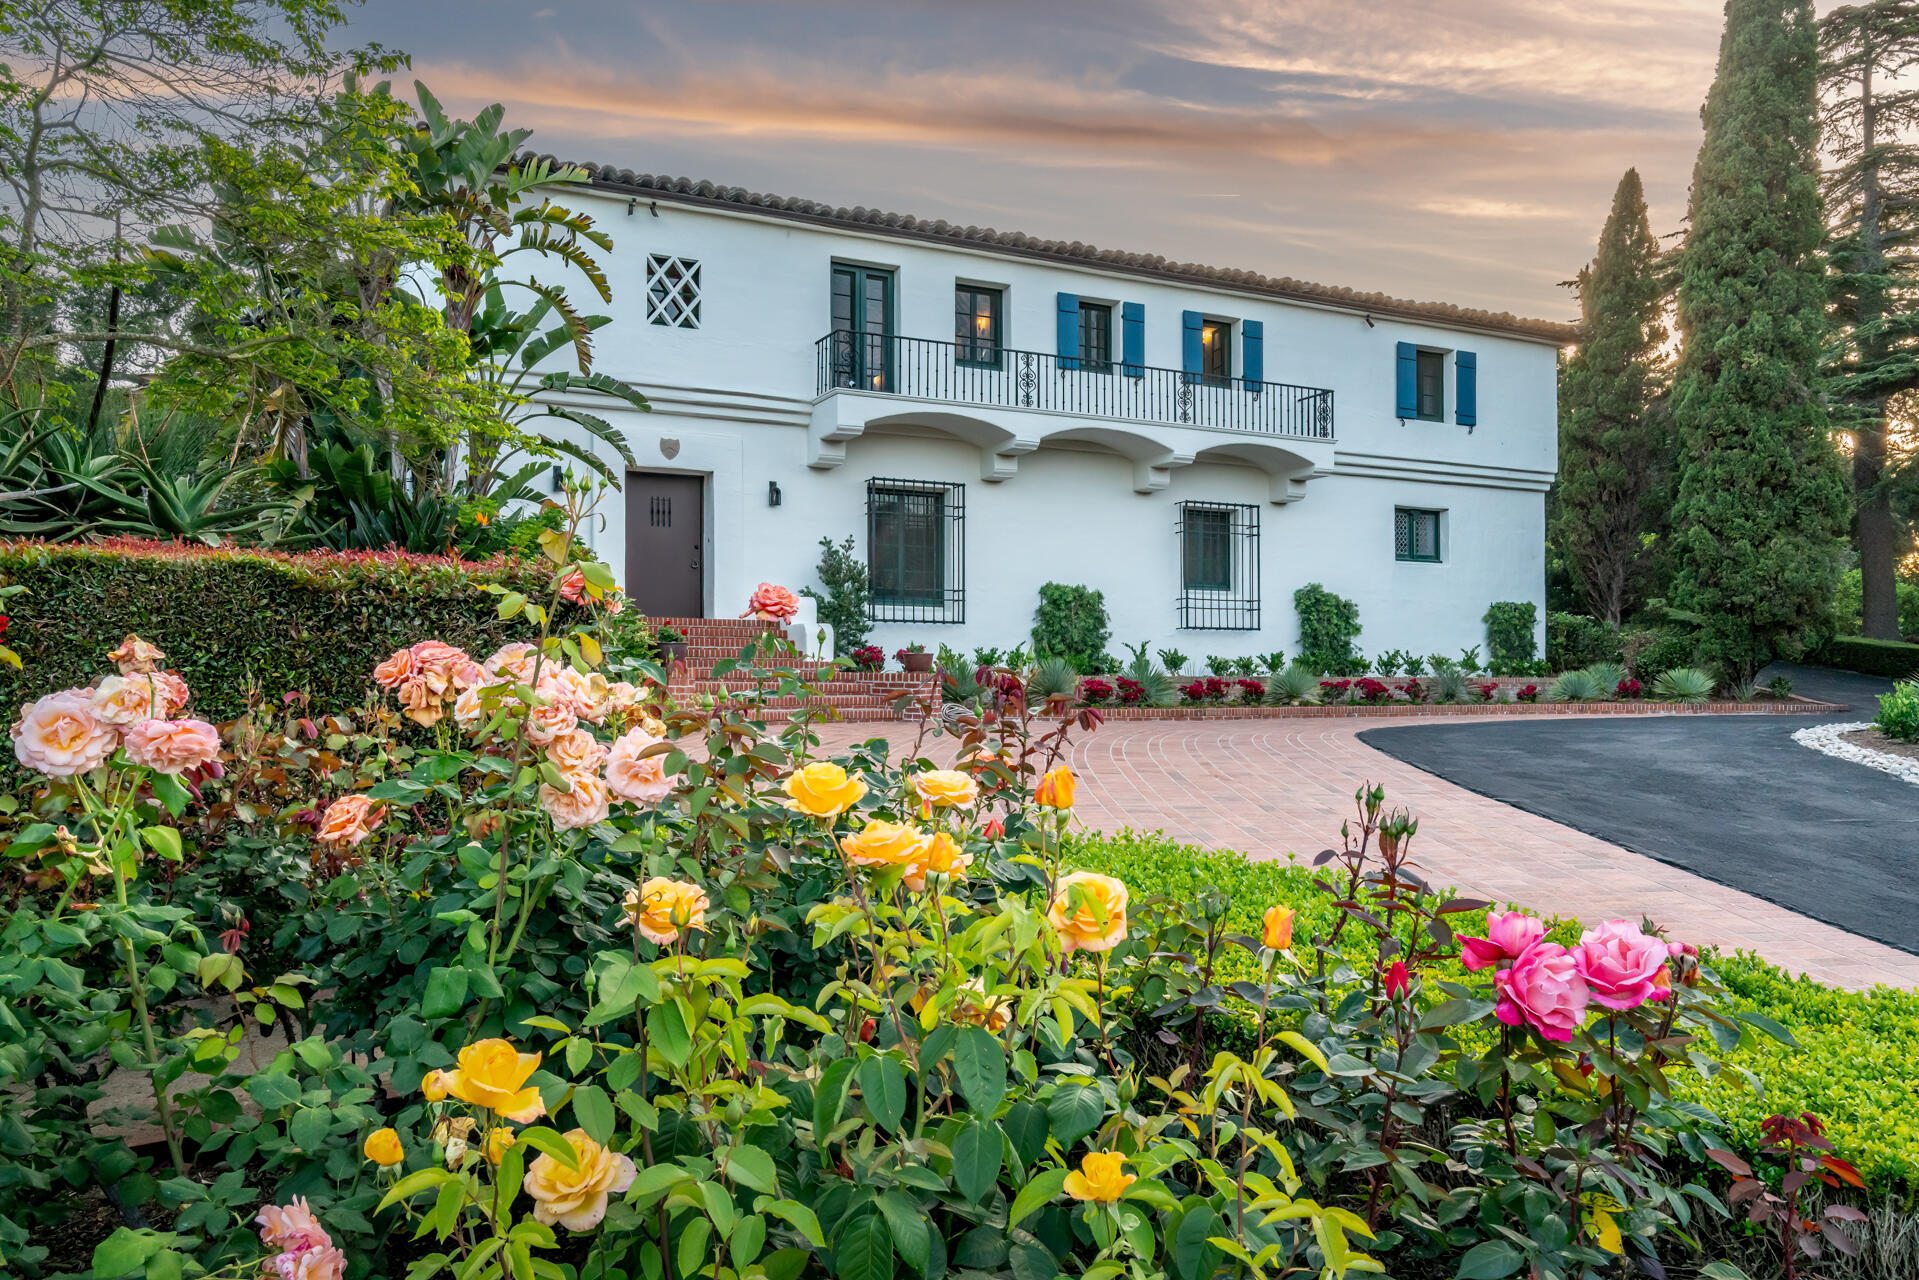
(1432, 385)
(976, 325)
(1216, 350)
(1095, 336)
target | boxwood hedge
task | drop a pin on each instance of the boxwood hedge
(1857, 1064)
(1893, 658)
(234, 621)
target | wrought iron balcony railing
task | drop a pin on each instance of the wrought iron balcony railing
(983, 374)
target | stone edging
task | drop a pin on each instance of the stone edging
(1407, 710)
(1827, 739)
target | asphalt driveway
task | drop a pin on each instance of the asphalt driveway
(1730, 798)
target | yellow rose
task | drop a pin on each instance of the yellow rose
(1089, 911)
(945, 787)
(383, 1148)
(884, 844)
(498, 1139)
(662, 909)
(1277, 929)
(940, 856)
(576, 1198)
(823, 790)
(492, 1074)
(434, 1086)
(1101, 1178)
(1055, 790)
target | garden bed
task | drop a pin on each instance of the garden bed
(1862, 743)
(1417, 710)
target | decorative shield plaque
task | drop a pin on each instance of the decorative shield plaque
(669, 447)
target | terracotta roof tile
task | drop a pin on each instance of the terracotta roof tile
(687, 190)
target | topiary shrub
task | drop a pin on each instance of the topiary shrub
(1510, 639)
(1070, 623)
(1328, 625)
(233, 620)
(843, 604)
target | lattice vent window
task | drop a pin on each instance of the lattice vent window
(673, 291)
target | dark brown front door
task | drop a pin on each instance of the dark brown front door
(665, 542)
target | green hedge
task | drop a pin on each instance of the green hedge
(1893, 658)
(230, 620)
(1857, 1063)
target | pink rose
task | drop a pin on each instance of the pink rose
(136, 655)
(61, 735)
(573, 587)
(172, 690)
(773, 603)
(1621, 966)
(395, 669)
(291, 1226)
(631, 777)
(348, 821)
(1543, 990)
(1508, 934)
(172, 746)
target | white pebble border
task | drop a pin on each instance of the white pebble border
(1825, 737)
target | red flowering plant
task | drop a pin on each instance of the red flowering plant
(868, 657)
(1335, 690)
(1250, 691)
(1131, 692)
(1488, 692)
(1206, 689)
(1528, 694)
(1371, 691)
(1414, 691)
(1629, 688)
(1093, 691)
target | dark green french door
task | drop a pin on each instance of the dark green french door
(863, 327)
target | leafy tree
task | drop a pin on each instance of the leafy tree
(1872, 200)
(1614, 439)
(842, 606)
(1761, 503)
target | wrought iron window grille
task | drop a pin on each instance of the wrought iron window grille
(1219, 566)
(916, 551)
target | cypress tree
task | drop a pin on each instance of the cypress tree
(1614, 443)
(1872, 202)
(1761, 504)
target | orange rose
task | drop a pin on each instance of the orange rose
(939, 856)
(348, 821)
(823, 790)
(945, 787)
(1277, 928)
(663, 909)
(1055, 790)
(776, 604)
(390, 673)
(1089, 911)
(492, 1075)
(884, 844)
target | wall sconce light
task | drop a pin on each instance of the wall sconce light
(559, 478)
(1369, 322)
(772, 493)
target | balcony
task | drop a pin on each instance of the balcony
(1033, 381)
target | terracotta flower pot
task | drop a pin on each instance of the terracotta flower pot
(918, 663)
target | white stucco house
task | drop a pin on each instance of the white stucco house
(985, 412)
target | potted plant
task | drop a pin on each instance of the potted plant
(672, 645)
(868, 657)
(914, 658)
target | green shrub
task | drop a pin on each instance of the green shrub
(1510, 625)
(1683, 684)
(1576, 686)
(1328, 625)
(1574, 640)
(1899, 712)
(1870, 657)
(234, 620)
(1651, 649)
(843, 604)
(1071, 623)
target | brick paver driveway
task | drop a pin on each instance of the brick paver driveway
(1271, 787)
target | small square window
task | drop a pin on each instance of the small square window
(1095, 337)
(673, 291)
(1432, 386)
(1416, 535)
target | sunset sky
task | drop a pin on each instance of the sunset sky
(1462, 151)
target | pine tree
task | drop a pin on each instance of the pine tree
(1872, 201)
(1761, 504)
(1614, 442)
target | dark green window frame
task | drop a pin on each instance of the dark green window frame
(1095, 337)
(1206, 536)
(977, 336)
(862, 319)
(1416, 535)
(1216, 351)
(1430, 385)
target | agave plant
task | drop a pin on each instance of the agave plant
(1607, 675)
(1052, 677)
(1683, 684)
(1576, 686)
(1297, 685)
(1449, 685)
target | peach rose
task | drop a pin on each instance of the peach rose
(172, 690)
(945, 787)
(136, 655)
(823, 790)
(631, 776)
(390, 673)
(306, 1250)
(576, 1198)
(512, 662)
(576, 754)
(468, 711)
(492, 1075)
(1089, 911)
(583, 806)
(548, 721)
(348, 821)
(776, 604)
(940, 856)
(884, 844)
(60, 735)
(663, 909)
(172, 746)
(124, 699)
(420, 702)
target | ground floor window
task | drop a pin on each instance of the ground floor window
(1219, 566)
(915, 550)
(1416, 535)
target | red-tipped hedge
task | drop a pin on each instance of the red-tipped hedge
(234, 619)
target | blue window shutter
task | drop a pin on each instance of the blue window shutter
(1466, 388)
(1069, 331)
(1408, 386)
(1132, 322)
(1252, 351)
(1191, 359)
